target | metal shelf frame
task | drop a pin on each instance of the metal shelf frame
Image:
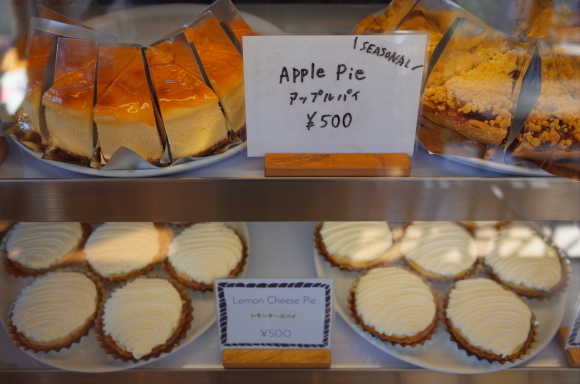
(289, 199)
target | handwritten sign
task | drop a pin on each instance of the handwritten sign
(274, 313)
(333, 94)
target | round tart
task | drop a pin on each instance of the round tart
(120, 251)
(489, 321)
(482, 224)
(354, 244)
(204, 252)
(54, 311)
(143, 318)
(396, 305)
(439, 250)
(518, 258)
(35, 248)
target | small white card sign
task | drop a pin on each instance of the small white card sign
(274, 313)
(573, 340)
(333, 94)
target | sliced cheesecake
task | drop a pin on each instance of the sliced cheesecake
(69, 102)
(124, 111)
(194, 122)
(223, 66)
(40, 50)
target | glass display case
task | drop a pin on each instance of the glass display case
(277, 215)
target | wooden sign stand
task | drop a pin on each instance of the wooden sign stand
(276, 358)
(337, 165)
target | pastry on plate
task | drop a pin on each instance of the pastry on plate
(41, 47)
(143, 319)
(224, 68)
(204, 252)
(69, 102)
(439, 250)
(519, 259)
(489, 321)
(194, 122)
(354, 244)
(124, 110)
(36, 248)
(395, 305)
(54, 311)
(475, 96)
(121, 251)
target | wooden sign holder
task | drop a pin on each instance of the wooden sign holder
(276, 358)
(337, 165)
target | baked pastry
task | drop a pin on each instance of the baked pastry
(482, 224)
(489, 321)
(476, 100)
(552, 129)
(120, 251)
(144, 318)
(204, 252)
(395, 305)
(353, 244)
(41, 47)
(69, 102)
(224, 68)
(54, 311)
(439, 250)
(124, 111)
(518, 258)
(388, 20)
(194, 123)
(36, 248)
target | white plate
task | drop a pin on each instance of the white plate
(87, 356)
(145, 25)
(440, 353)
(202, 162)
(511, 169)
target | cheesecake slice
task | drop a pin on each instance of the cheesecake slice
(69, 102)
(124, 111)
(223, 66)
(194, 122)
(40, 49)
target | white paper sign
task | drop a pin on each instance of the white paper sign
(333, 94)
(573, 340)
(274, 313)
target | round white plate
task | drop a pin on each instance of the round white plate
(511, 169)
(145, 25)
(440, 353)
(202, 162)
(87, 356)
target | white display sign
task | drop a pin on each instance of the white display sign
(274, 313)
(333, 94)
(573, 340)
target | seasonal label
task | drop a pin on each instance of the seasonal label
(333, 94)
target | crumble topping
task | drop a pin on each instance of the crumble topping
(482, 92)
(555, 119)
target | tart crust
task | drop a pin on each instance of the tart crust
(66, 342)
(198, 286)
(14, 268)
(110, 347)
(419, 338)
(348, 265)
